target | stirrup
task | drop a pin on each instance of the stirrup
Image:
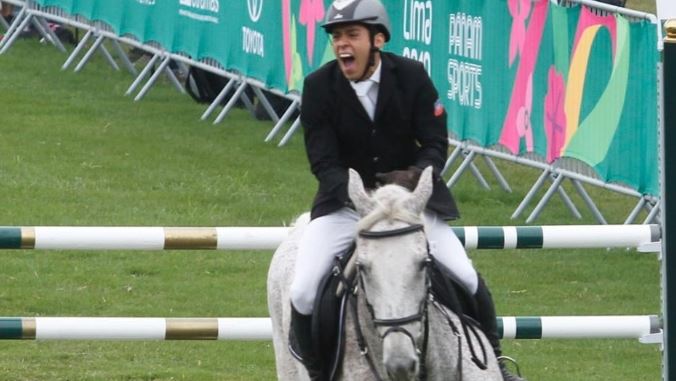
(511, 360)
(295, 354)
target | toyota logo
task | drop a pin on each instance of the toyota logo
(255, 9)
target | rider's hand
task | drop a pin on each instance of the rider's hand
(407, 178)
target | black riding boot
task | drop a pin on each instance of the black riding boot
(487, 318)
(300, 343)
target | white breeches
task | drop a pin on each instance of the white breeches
(332, 234)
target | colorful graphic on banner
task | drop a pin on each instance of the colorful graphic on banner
(590, 90)
(303, 39)
(524, 46)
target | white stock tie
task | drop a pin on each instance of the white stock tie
(363, 93)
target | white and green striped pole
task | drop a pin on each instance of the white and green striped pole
(578, 327)
(129, 328)
(263, 238)
(557, 236)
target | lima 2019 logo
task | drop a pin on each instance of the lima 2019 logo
(255, 9)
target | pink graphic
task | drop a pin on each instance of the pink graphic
(588, 26)
(523, 124)
(286, 34)
(555, 115)
(311, 11)
(588, 18)
(519, 9)
(530, 48)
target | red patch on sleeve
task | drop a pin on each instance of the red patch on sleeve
(438, 108)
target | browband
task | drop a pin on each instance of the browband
(390, 233)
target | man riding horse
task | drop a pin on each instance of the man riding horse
(378, 113)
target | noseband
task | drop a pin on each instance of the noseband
(396, 324)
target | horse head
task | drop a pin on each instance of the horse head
(392, 258)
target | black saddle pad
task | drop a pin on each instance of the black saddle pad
(328, 318)
(450, 292)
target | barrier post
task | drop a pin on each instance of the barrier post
(668, 269)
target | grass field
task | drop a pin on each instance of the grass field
(642, 5)
(74, 151)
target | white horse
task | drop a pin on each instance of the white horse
(405, 331)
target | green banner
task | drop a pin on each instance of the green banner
(531, 76)
(257, 51)
(528, 75)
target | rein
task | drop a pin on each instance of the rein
(468, 326)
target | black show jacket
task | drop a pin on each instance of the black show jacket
(409, 129)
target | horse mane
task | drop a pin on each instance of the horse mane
(389, 205)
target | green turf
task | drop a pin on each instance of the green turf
(642, 5)
(75, 151)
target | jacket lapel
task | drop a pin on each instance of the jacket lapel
(348, 95)
(386, 86)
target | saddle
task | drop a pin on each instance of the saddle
(328, 318)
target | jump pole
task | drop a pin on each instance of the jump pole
(268, 238)
(153, 328)
(668, 150)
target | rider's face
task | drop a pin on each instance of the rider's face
(351, 46)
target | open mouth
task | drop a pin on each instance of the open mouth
(348, 60)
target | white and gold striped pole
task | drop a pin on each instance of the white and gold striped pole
(133, 328)
(141, 238)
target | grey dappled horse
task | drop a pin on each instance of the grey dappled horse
(392, 299)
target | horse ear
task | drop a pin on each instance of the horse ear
(355, 189)
(418, 199)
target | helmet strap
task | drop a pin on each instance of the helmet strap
(372, 54)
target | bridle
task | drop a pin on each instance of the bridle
(397, 324)
(394, 324)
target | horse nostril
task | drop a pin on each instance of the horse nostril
(402, 369)
(400, 357)
(411, 367)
